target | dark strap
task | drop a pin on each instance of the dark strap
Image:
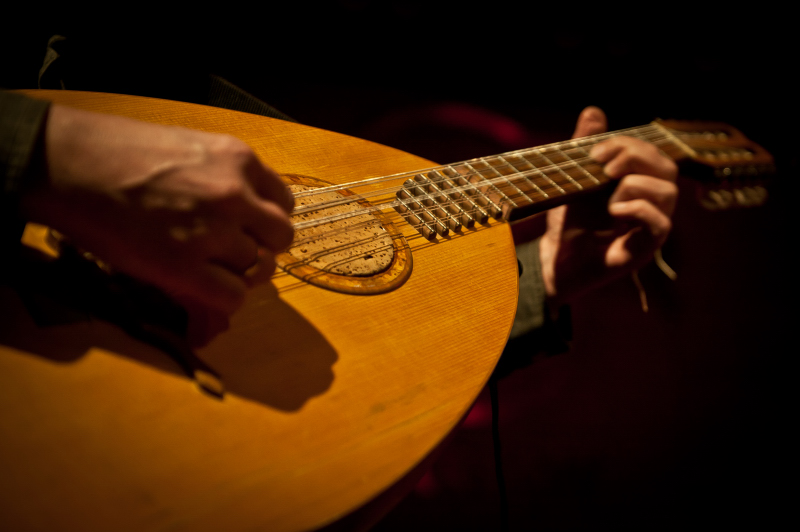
(222, 93)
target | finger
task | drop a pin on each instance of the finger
(262, 270)
(268, 185)
(648, 229)
(233, 250)
(644, 214)
(660, 192)
(626, 155)
(269, 225)
(591, 121)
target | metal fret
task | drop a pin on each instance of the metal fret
(578, 165)
(457, 181)
(515, 174)
(449, 197)
(446, 210)
(494, 209)
(415, 213)
(503, 194)
(485, 181)
(455, 198)
(547, 177)
(418, 187)
(561, 170)
(522, 173)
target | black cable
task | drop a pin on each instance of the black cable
(498, 455)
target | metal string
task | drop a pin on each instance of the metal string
(470, 186)
(651, 133)
(445, 193)
(591, 139)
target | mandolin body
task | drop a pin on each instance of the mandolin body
(330, 397)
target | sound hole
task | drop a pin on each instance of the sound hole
(341, 243)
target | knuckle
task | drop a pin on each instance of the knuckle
(231, 152)
(229, 191)
(230, 187)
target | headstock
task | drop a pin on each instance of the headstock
(731, 167)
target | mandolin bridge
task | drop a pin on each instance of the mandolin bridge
(444, 200)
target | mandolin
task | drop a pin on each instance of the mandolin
(375, 336)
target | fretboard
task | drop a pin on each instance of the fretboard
(513, 184)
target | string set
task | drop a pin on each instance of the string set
(651, 133)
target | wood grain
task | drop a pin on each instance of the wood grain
(331, 397)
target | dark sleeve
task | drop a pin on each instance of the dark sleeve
(530, 306)
(535, 330)
(21, 122)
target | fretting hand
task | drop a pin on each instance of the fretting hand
(596, 240)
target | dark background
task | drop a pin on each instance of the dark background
(672, 418)
(345, 64)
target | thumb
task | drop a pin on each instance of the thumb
(591, 121)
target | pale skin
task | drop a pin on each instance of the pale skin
(591, 243)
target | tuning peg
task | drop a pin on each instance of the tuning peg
(717, 200)
(740, 197)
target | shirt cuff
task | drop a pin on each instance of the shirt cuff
(21, 122)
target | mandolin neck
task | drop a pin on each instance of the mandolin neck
(520, 183)
(534, 179)
(515, 184)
